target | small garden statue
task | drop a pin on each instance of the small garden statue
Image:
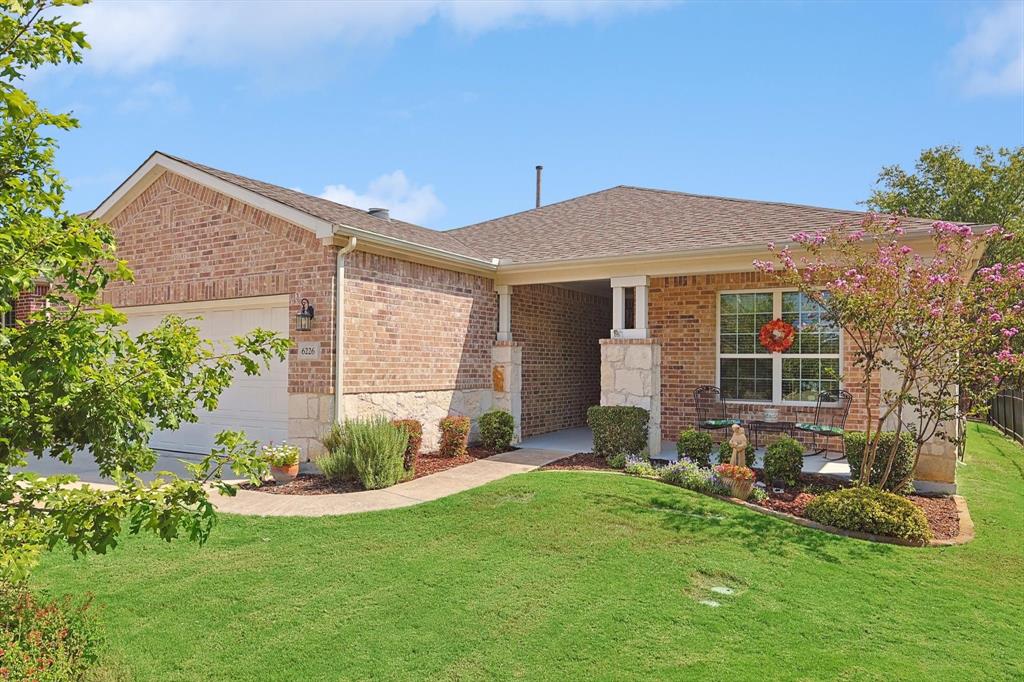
(738, 443)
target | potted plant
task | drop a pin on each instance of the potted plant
(284, 462)
(740, 479)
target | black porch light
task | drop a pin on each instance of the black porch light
(304, 319)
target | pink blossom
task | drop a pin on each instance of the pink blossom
(995, 317)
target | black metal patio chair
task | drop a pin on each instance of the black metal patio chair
(712, 411)
(829, 422)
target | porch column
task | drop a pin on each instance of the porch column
(631, 376)
(504, 313)
(639, 284)
(507, 365)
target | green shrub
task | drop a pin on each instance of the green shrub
(689, 475)
(757, 496)
(45, 640)
(336, 462)
(695, 446)
(870, 510)
(856, 442)
(376, 448)
(619, 432)
(414, 429)
(497, 428)
(783, 460)
(454, 436)
(725, 453)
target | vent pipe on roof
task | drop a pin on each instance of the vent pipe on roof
(381, 213)
(540, 169)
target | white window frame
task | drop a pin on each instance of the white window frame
(3, 316)
(776, 358)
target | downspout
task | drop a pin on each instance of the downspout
(339, 328)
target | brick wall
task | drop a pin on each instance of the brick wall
(412, 327)
(186, 242)
(682, 317)
(559, 331)
(30, 301)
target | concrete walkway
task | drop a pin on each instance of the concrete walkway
(432, 487)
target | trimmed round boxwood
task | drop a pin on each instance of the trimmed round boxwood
(620, 431)
(902, 466)
(695, 446)
(783, 460)
(497, 428)
(870, 510)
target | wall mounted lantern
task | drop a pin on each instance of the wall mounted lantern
(304, 320)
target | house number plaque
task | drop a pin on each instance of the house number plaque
(309, 350)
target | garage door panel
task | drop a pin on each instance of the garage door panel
(257, 405)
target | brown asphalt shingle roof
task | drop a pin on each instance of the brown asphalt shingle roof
(626, 221)
(621, 221)
(341, 214)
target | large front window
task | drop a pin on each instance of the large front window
(747, 371)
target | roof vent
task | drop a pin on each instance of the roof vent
(381, 213)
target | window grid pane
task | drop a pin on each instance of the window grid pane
(802, 378)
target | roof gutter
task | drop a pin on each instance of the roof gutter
(406, 245)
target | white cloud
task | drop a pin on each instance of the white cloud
(152, 94)
(393, 191)
(131, 36)
(990, 58)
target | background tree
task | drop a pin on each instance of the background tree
(72, 380)
(946, 186)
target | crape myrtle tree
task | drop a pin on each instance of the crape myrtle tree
(73, 382)
(941, 329)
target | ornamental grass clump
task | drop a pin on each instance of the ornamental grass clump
(336, 461)
(695, 446)
(870, 510)
(376, 448)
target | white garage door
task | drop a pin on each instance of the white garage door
(256, 405)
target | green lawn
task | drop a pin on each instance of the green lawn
(563, 575)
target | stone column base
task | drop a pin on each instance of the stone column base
(507, 382)
(631, 375)
(309, 416)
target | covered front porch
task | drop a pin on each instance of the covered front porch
(572, 441)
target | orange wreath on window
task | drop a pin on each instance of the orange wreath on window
(777, 336)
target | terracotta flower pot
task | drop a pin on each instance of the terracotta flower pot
(284, 475)
(740, 488)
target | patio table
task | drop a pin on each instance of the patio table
(759, 426)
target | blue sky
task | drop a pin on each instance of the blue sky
(442, 111)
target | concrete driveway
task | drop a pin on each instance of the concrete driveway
(84, 466)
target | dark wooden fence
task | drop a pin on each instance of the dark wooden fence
(1007, 412)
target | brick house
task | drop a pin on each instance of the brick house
(627, 295)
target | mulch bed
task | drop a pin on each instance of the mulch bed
(581, 461)
(305, 484)
(431, 462)
(941, 512)
(317, 484)
(943, 518)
